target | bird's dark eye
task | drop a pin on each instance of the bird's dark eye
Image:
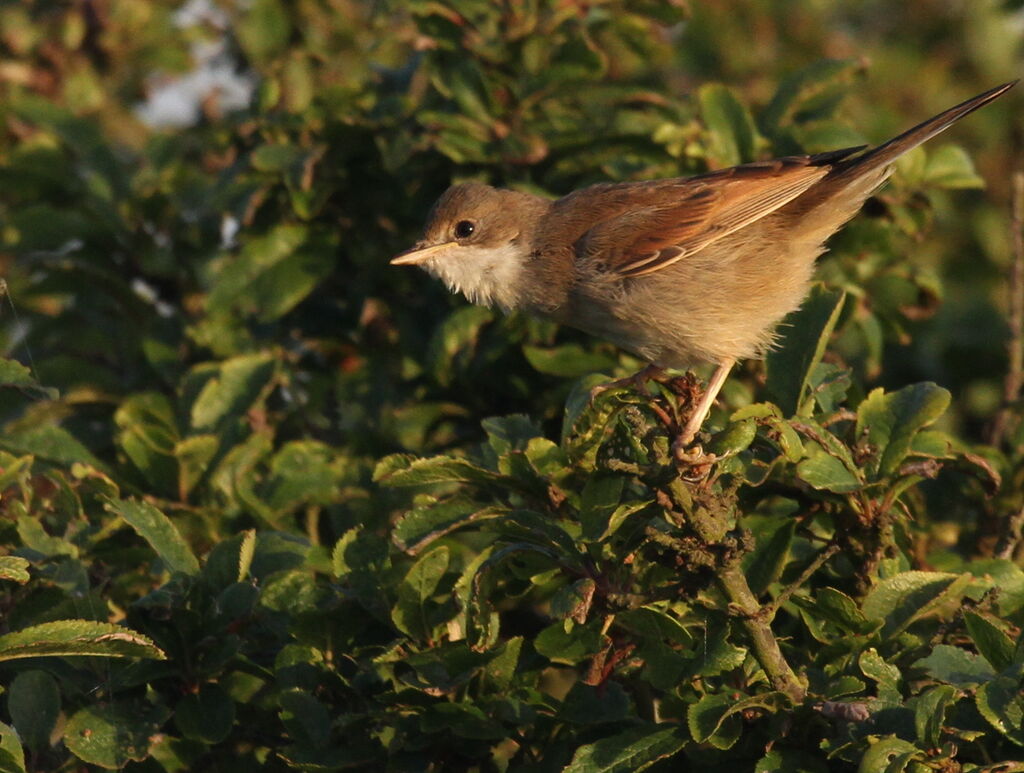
(464, 229)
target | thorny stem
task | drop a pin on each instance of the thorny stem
(766, 646)
(733, 582)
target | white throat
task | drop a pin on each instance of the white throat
(487, 276)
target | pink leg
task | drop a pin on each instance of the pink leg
(701, 410)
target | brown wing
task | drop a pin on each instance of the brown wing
(665, 221)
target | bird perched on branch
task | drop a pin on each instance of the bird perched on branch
(677, 271)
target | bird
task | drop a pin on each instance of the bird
(678, 271)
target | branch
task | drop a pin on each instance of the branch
(1014, 378)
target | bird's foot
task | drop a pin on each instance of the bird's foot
(637, 381)
(693, 461)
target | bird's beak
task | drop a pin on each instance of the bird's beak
(419, 253)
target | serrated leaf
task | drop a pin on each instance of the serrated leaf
(956, 666)
(61, 638)
(402, 470)
(717, 719)
(885, 674)
(112, 735)
(890, 421)
(909, 596)
(1002, 706)
(827, 472)
(411, 613)
(889, 755)
(930, 713)
(994, 644)
(422, 525)
(630, 751)
(158, 530)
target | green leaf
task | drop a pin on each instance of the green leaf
(717, 719)
(264, 29)
(194, 455)
(734, 438)
(733, 135)
(14, 568)
(569, 647)
(630, 751)
(14, 374)
(930, 713)
(306, 718)
(805, 336)
(909, 596)
(826, 471)
(1002, 706)
(12, 756)
(801, 90)
(77, 637)
(403, 470)
(207, 715)
(456, 338)
(956, 666)
(994, 644)
(838, 608)
(236, 385)
(567, 360)
(33, 701)
(770, 557)
(147, 434)
(950, 167)
(50, 442)
(789, 761)
(275, 157)
(411, 613)
(889, 755)
(422, 525)
(890, 421)
(600, 498)
(113, 734)
(888, 676)
(158, 530)
(463, 720)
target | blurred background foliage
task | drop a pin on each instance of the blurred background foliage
(199, 290)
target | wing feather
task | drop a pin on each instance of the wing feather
(672, 219)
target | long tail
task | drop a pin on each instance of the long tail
(885, 154)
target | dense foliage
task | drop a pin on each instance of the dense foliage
(268, 503)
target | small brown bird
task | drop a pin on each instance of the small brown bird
(677, 271)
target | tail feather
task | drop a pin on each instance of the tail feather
(885, 154)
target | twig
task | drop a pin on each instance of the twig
(1014, 378)
(1010, 537)
(789, 590)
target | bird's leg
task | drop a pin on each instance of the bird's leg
(703, 407)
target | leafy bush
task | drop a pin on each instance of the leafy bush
(269, 503)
